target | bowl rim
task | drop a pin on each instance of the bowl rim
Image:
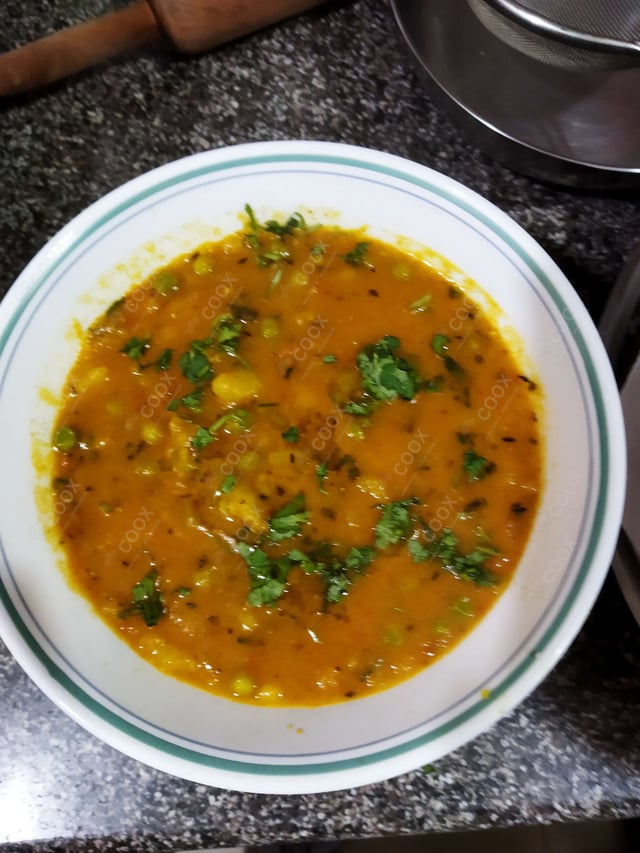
(336, 774)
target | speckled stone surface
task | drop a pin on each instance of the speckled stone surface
(571, 750)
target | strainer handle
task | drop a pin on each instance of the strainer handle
(544, 26)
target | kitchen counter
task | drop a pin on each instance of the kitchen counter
(571, 751)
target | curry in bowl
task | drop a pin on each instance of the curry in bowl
(296, 465)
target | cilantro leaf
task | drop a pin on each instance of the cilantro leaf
(336, 584)
(321, 472)
(396, 522)
(296, 220)
(306, 563)
(292, 434)
(272, 255)
(359, 557)
(288, 520)
(422, 304)
(268, 577)
(236, 420)
(360, 408)
(357, 255)
(386, 375)
(164, 282)
(440, 345)
(446, 549)
(146, 600)
(201, 439)
(191, 401)
(135, 348)
(477, 467)
(252, 238)
(163, 362)
(195, 365)
(228, 484)
(227, 333)
(335, 572)
(266, 592)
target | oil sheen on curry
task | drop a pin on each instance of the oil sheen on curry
(304, 465)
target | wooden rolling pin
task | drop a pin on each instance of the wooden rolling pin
(190, 25)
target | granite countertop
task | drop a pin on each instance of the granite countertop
(571, 750)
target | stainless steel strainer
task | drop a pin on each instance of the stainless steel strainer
(580, 34)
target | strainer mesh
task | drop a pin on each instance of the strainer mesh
(611, 20)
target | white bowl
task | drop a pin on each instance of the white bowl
(92, 675)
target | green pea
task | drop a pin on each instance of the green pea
(202, 265)
(65, 439)
(164, 282)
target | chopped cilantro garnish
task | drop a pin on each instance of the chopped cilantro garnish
(421, 304)
(146, 600)
(202, 345)
(201, 439)
(321, 472)
(296, 220)
(292, 434)
(135, 348)
(227, 333)
(440, 345)
(359, 557)
(272, 256)
(360, 408)
(275, 278)
(164, 282)
(252, 238)
(357, 255)
(268, 577)
(236, 420)
(446, 549)
(396, 522)
(335, 572)
(163, 362)
(307, 563)
(288, 521)
(477, 467)
(329, 358)
(191, 401)
(386, 375)
(195, 365)
(228, 484)
(267, 257)
(336, 583)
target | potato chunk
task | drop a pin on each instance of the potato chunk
(236, 387)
